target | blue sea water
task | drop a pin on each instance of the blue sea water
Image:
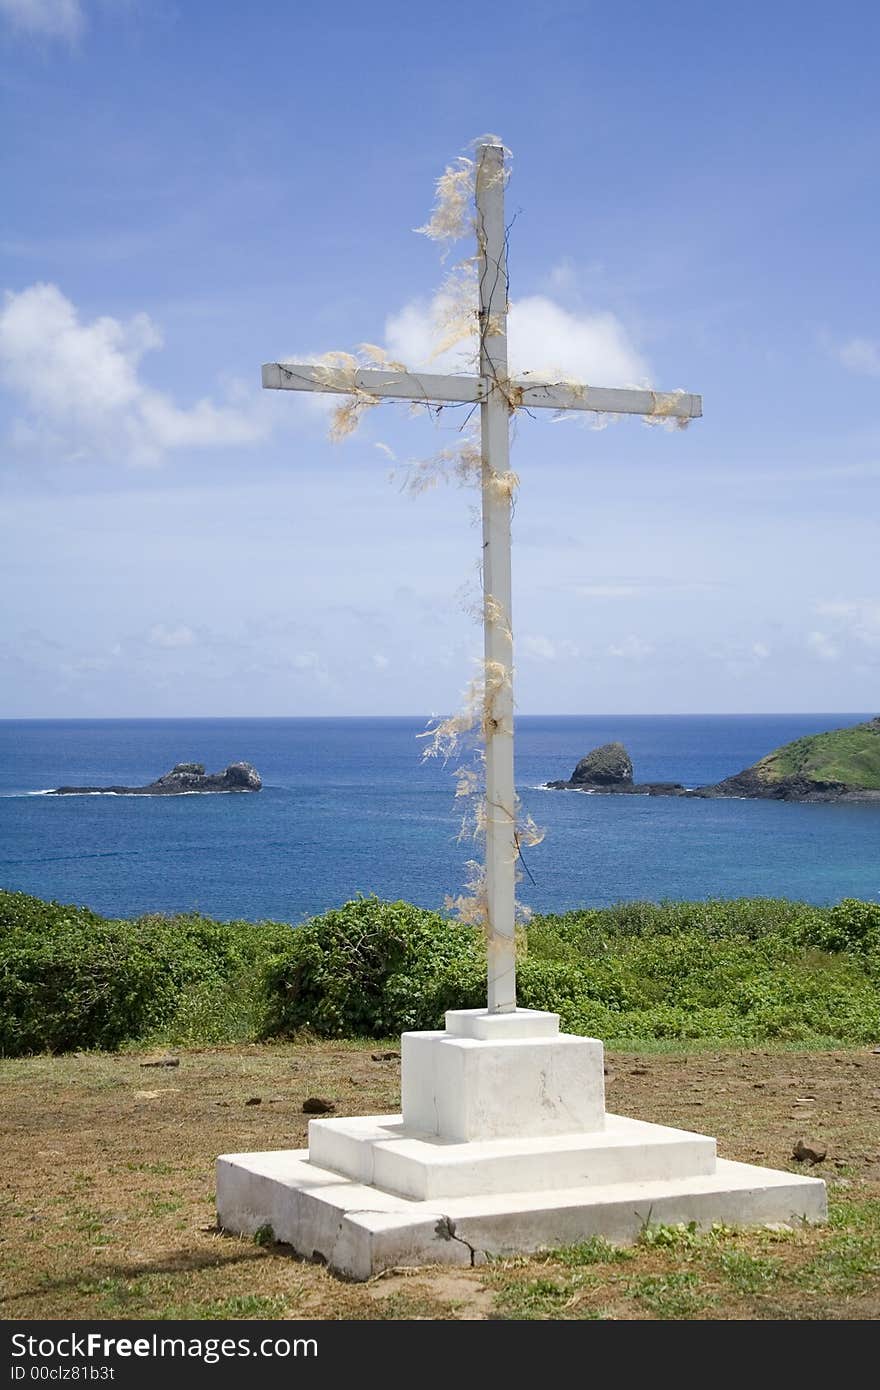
(349, 807)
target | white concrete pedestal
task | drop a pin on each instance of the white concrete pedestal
(503, 1146)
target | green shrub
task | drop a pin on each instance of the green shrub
(372, 969)
(742, 972)
(594, 930)
(80, 985)
(20, 912)
(70, 979)
(851, 926)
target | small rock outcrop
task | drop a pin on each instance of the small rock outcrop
(191, 777)
(607, 766)
(751, 785)
(184, 777)
(609, 769)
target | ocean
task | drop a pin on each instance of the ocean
(349, 807)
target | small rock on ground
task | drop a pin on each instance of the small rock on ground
(317, 1105)
(808, 1153)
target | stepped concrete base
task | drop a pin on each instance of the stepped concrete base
(360, 1230)
(491, 1075)
(379, 1151)
(503, 1147)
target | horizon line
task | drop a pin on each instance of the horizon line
(329, 718)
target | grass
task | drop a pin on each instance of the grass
(112, 1213)
(676, 1273)
(849, 755)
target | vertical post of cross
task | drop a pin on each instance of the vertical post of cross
(501, 846)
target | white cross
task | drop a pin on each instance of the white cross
(497, 396)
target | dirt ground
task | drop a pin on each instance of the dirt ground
(108, 1205)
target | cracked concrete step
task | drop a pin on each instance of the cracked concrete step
(360, 1230)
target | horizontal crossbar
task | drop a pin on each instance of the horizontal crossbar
(408, 386)
(678, 405)
(425, 386)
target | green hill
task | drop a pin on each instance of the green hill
(851, 756)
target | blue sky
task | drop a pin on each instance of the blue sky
(194, 189)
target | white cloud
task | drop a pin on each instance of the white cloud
(631, 649)
(858, 618)
(823, 646)
(85, 666)
(311, 666)
(563, 276)
(56, 19)
(412, 333)
(180, 636)
(740, 659)
(860, 355)
(540, 648)
(592, 348)
(644, 588)
(79, 386)
(610, 591)
(380, 662)
(544, 339)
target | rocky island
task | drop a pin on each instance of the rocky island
(609, 769)
(185, 777)
(841, 765)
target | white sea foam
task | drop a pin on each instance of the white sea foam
(50, 791)
(581, 791)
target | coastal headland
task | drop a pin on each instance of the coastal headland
(840, 765)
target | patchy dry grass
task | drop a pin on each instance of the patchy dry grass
(108, 1203)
